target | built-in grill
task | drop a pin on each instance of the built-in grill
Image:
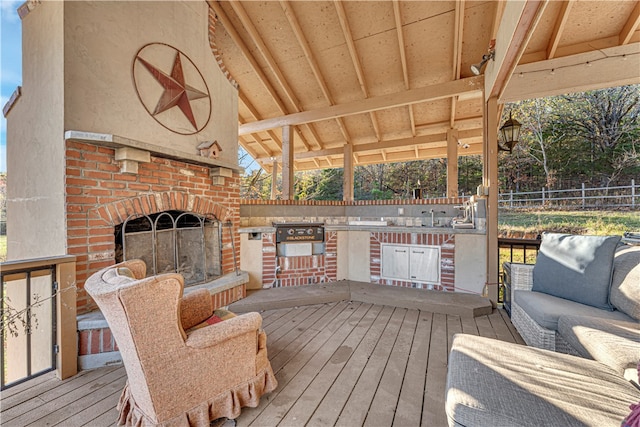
(299, 232)
(299, 238)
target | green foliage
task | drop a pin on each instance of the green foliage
(591, 138)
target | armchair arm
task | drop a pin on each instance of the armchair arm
(220, 332)
(521, 276)
(195, 307)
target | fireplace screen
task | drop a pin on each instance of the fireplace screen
(173, 241)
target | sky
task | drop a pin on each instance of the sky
(11, 64)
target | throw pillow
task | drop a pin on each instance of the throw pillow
(577, 268)
(218, 316)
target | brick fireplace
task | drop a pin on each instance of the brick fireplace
(99, 196)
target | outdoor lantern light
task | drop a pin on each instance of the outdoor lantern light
(477, 68)
(510, 132)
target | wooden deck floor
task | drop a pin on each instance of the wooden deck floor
(343, 363)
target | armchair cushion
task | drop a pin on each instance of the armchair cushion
(195, 307)
(546, 309)
(577, 268)
(218, 316)
(625, 286)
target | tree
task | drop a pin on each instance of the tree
(609, 121)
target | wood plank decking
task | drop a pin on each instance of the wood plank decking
(341, 363)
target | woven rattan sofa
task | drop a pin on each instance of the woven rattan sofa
(558, 324)
(493, 383)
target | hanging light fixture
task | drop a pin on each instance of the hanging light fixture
(509, 133)
(477, 68)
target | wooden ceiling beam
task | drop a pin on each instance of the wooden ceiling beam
(464, 135)
(403, 60)
(411, 96)
(616, 66)
(631, 26)
(311, 60)
(249, 106)
(558, 29)
(518, 22)
(458, 32)
(355, 59)
(398, 156)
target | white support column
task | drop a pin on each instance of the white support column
(274, 179)
(287, 163)
(490, 181)
(452, 163)
(347, 179)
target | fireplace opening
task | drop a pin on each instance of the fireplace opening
(173, 241)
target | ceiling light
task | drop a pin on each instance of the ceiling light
(477, 68)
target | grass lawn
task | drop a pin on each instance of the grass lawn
(531, 223)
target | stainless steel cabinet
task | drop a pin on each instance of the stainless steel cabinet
(411, 263)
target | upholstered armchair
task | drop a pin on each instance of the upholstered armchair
(177, 376)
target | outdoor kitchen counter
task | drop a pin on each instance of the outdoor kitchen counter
(374, 228)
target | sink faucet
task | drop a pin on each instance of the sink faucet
(432, 212)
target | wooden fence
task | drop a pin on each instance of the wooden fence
(625, 196)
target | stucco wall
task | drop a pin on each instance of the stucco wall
(102, 39)
(35, 147)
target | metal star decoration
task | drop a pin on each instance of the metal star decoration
(176, 91)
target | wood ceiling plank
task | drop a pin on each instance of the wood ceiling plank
(403, 60)
(631, 26)
(304, 44)
(412, 96)
(561, 22)
(235, 36)
(273, 67)
(458, 32)
(355, 59)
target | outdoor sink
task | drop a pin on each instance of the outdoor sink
(378, 223)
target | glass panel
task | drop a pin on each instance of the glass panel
(14, 308)
(41, 316)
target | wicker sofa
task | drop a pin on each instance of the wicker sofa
(558, 324)
(493, 383)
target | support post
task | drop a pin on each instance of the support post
(287, 163)
(452, 162)
(490, 180)
(67, 357)
(274, 179)
(347, 178)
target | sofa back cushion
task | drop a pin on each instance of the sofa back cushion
(625, 286)
(577, 268)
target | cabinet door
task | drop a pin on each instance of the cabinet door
(425, 264)
(395, 262)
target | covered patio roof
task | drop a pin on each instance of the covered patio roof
(391, 81)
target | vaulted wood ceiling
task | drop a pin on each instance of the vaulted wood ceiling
(391, 77)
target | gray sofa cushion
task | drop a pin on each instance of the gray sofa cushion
(577, 268)
(615, 343)
(546, 309)
(494, 383)
(625, 286)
